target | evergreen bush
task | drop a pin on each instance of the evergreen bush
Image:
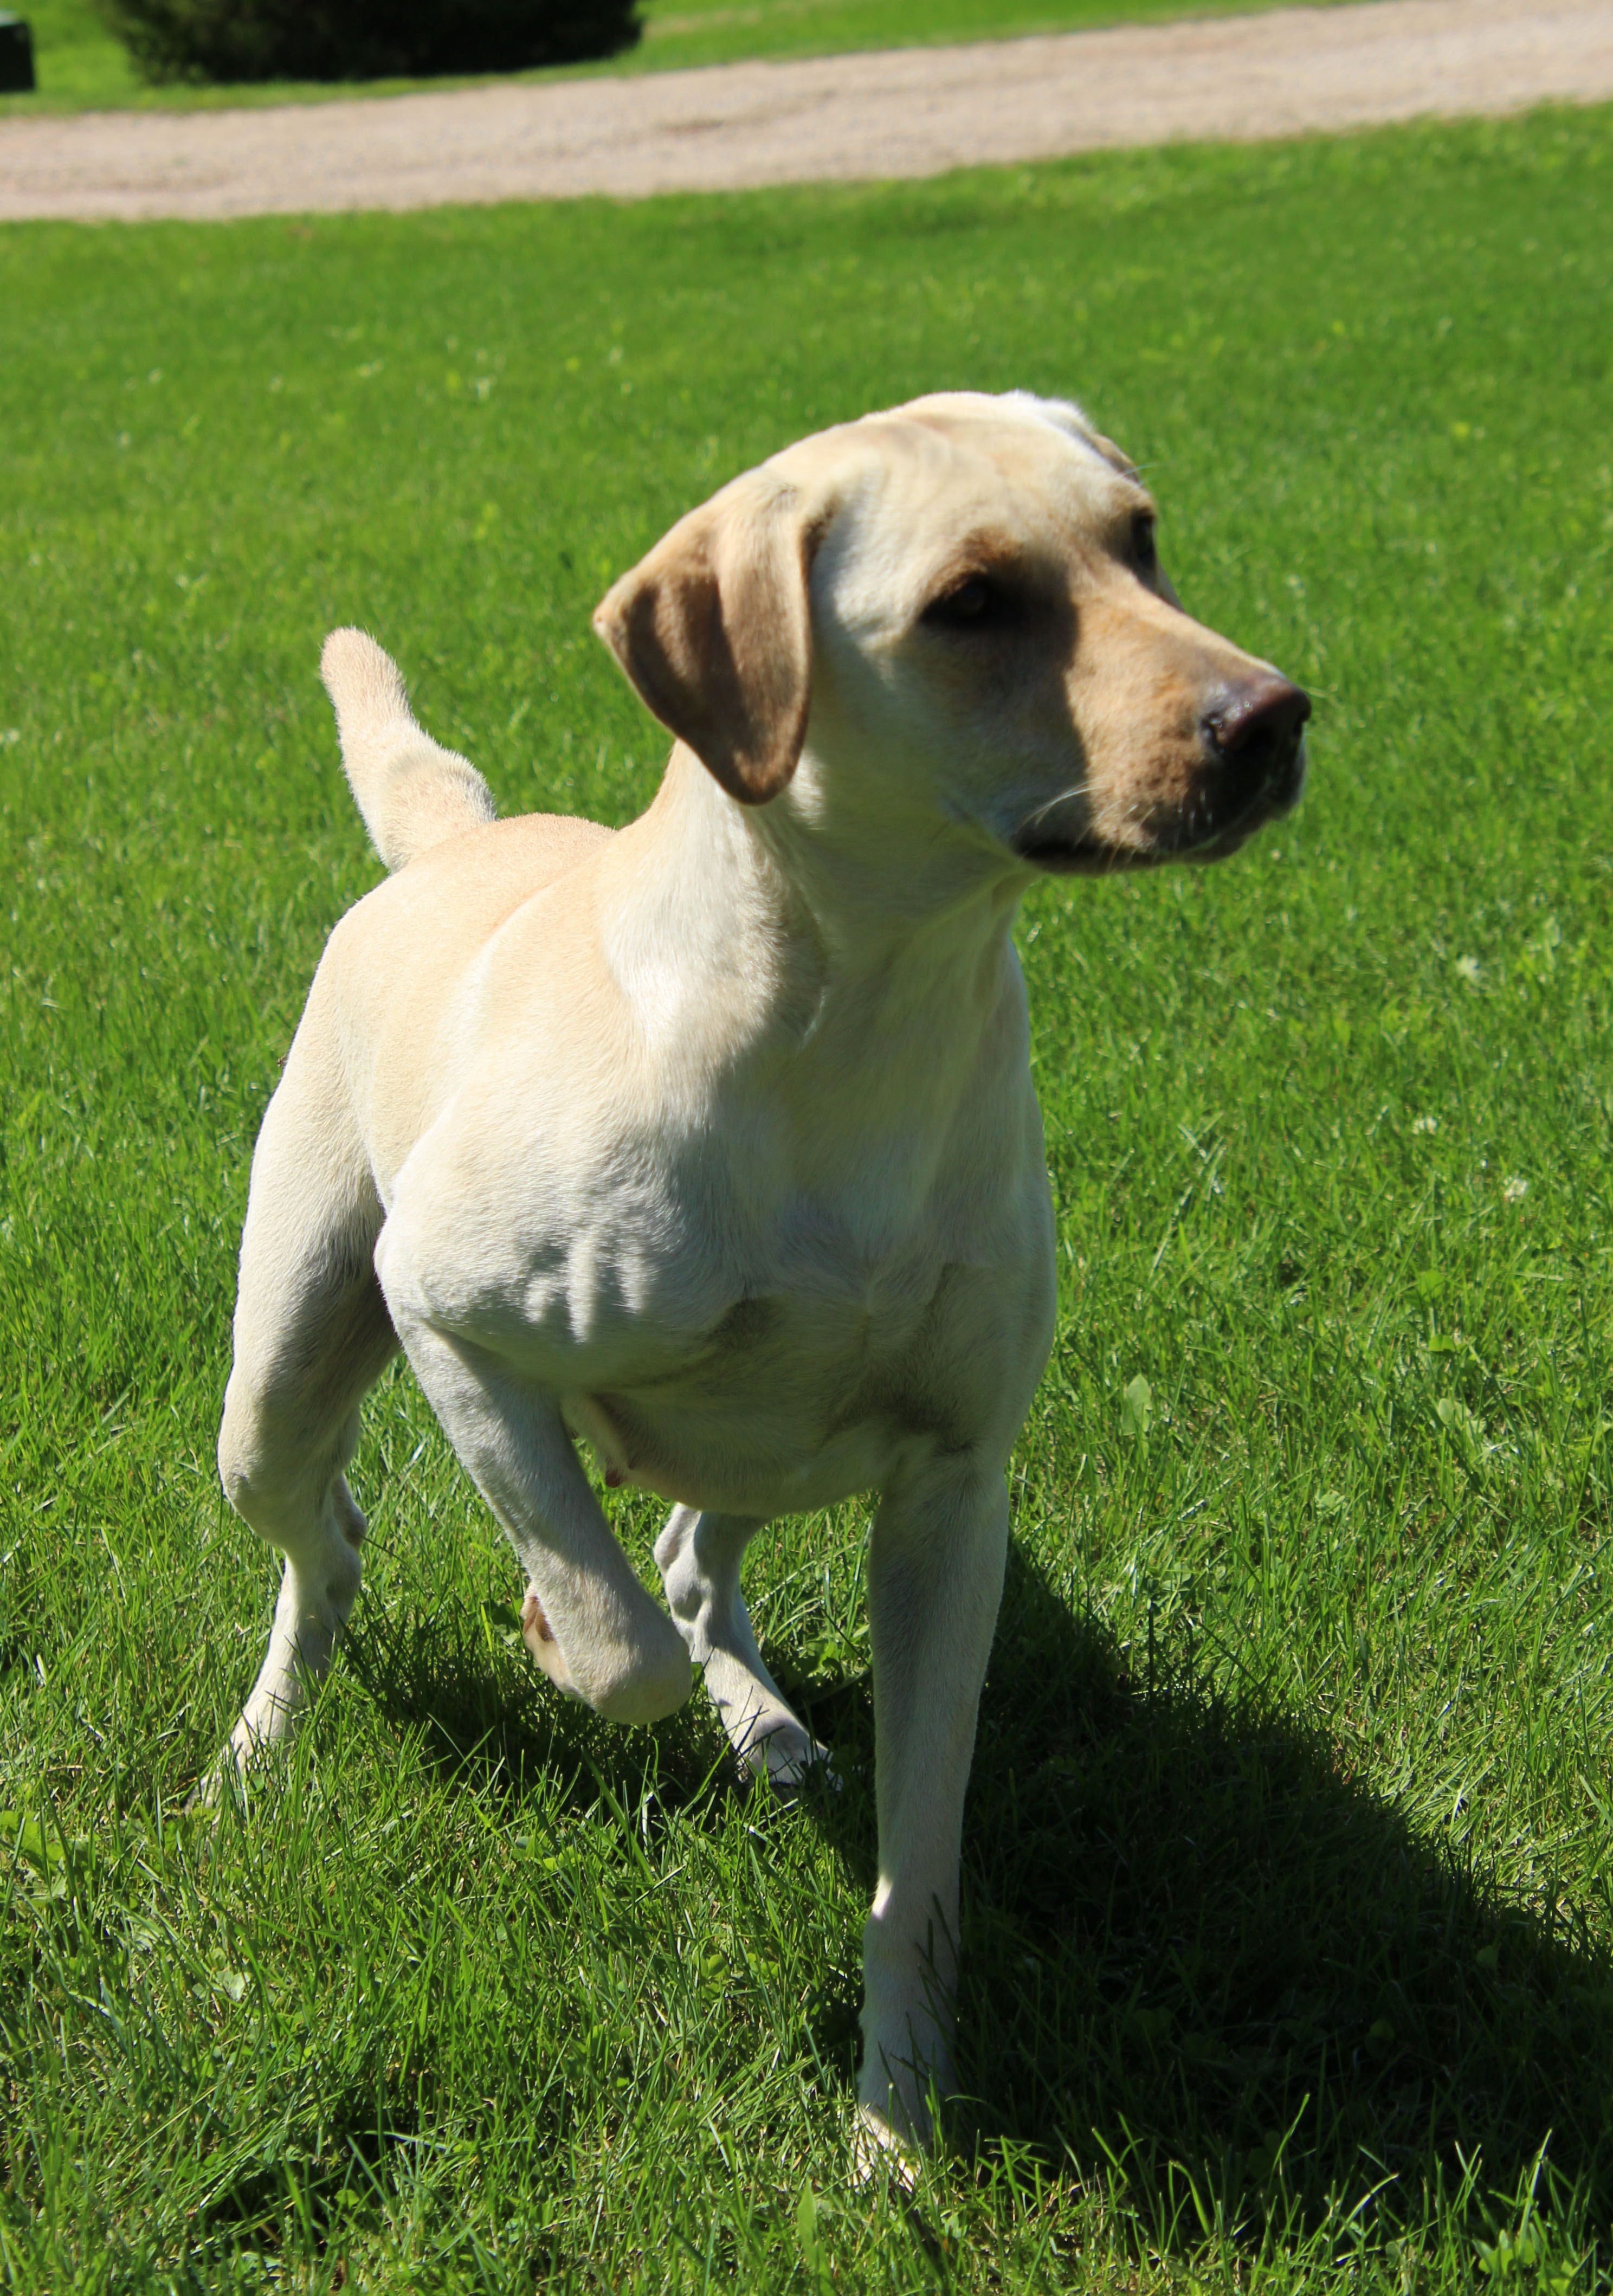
(228, 40)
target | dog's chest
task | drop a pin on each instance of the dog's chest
(831, 1360)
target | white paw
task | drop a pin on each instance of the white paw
(878, 2153)
(538, 1636)
(786, 1755)
(253, 1734)
(627, 1683)
(211, 1787)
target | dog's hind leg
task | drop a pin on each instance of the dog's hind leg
(312, 1334)
(699, 1556)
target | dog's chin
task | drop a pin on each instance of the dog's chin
(1198, 836)
(1087, 857)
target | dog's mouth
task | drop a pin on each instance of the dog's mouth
(1253, 771)
(1083, 857)
(1195, 834)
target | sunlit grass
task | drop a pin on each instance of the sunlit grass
(1287, 1918)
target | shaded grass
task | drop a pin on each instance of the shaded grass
(79, 66)
(1287, 1917)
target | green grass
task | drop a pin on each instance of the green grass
(1287, 1930)
(81, 67)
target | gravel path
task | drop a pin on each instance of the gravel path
(913, 111)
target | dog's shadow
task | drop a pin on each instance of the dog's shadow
(1194, 1948)
(1192, 1940)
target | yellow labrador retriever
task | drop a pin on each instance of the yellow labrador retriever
(712, 1142)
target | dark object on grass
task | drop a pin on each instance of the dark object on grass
(363, 39)
(16, 57)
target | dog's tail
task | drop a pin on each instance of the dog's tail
(411, 792)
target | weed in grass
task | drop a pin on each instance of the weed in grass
(1287, 1918)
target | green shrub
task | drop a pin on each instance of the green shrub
(363, 39)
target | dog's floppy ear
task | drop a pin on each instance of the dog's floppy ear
(713, 628)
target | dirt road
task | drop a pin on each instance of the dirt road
(914, 112)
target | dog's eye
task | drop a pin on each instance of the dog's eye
(966, 606)
(1145, 557)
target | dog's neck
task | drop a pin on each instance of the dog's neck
(775, 934)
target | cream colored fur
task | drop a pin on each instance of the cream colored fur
(411, 792)
(712, 1143)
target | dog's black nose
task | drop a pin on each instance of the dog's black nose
(1256, 728)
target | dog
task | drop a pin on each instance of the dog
(711, 1142)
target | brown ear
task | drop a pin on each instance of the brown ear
(1117, 456)
(714, 631)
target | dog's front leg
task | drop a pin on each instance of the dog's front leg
(592, 1627)
(935, 1581)
(700, 1557)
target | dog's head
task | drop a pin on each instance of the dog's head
(955, 611)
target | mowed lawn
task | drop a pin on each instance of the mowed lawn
(82, 66)
(1287, 1918)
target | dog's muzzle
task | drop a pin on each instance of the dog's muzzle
(1251, 770)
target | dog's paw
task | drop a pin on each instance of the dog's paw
(538, 1636)
(789, 1757)
(629, 1683)
(879, 2155)
(227, 1779)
